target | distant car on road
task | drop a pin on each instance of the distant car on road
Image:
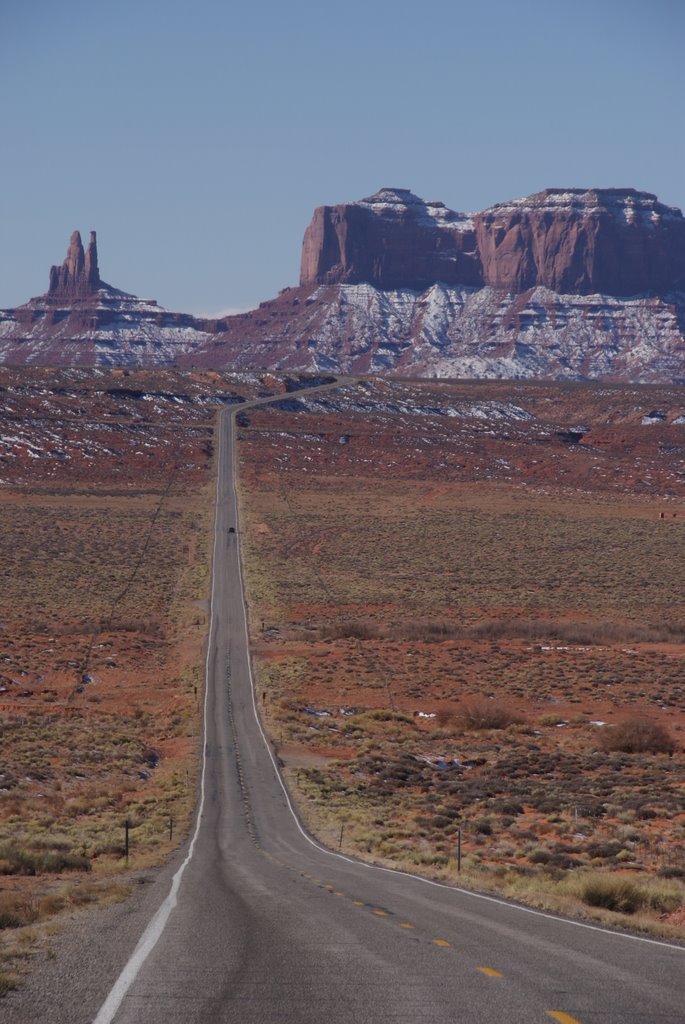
(231, 529)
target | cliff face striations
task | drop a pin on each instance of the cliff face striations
(564, 284)
(613, 241)
(392, 239)
(573, 241)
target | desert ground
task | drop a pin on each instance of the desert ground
(468, 620)
(106, 503)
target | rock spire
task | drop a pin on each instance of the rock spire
(79, 276)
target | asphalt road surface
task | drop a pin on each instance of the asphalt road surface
(264, 926)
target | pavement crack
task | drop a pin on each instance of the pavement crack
(242, 785)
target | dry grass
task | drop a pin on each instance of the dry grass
(104, 542)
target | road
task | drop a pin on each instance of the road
(262, 925)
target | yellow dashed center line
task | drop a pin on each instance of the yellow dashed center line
(380, 913)
(358, 903)
(562, 1018)
(405, 924)
(491, 972)
(338, 893)
(440, 942)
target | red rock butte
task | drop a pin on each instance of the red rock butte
(568, 283)
(614, 241)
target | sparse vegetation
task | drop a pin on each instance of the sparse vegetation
(510, 629)
(105, 516)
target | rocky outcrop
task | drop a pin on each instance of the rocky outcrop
(392, 239)
(573, 241)
(566, 284)
(83, 321)
(454, 331)
(614, 241)
(79, 276)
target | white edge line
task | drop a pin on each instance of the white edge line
(152, 933)
(378, 867)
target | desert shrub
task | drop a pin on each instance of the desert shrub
(664, 900)
(8, 919)
(384, 715)
(638, 736)
(550, 804)
(17, 861)
(560, 862)
(671, 871)
(604, 849)
(349, 630)
(550, 720)
(434, 631)
(622, 895)
(579, 632)
(486, 714)
(7, 983)
(444, 717)
(440, 821)
(508, 806)
(626, 895)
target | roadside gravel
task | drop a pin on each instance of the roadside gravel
(69, 983)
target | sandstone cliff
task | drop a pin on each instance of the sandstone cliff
(392, 239)
(573, 241)
(567, 283)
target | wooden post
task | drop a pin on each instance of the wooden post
(458, 848)
(127, 825)
(342, 830)
(171, 828)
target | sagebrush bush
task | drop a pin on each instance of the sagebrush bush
(19, 861)
(639, 736)
(626, 895)
(349, 629)
(621, 895)
(486, 714)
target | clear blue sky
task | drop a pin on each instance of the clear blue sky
(197, 137)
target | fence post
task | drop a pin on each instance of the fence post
(458, 848)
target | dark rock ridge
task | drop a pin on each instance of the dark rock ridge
(572, 241)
